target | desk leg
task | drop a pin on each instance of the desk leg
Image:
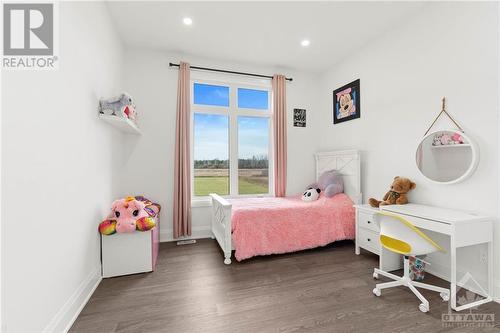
(453, 286)
(453, 280)
(356, 246)
(491, 290)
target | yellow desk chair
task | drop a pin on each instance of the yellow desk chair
(400, 236)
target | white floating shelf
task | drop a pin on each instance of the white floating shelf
(462, 145)
(123, 124)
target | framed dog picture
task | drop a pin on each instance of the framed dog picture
(346, 102)
(299, 117)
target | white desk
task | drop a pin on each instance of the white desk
(464, 229)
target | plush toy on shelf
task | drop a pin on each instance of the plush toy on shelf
(121, 106)
(457, 138)
(436, 141)
(445, 139)
(397, 194)
(130, 214)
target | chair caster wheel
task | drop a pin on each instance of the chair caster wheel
(445, 296)
(375, 276)
(424, 308)
(376, 292)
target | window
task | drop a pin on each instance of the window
(253, 99)
(211, 154)
(207, 94)
(231, 139)
(253, 166)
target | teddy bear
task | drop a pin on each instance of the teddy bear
(397, 194)
(330, 182)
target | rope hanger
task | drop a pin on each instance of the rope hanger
(443, 110)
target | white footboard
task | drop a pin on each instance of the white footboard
(221, 224)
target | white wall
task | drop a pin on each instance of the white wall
(450, 49)
(148, 162)
(57, 173)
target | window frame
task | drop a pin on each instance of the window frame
(233, 112)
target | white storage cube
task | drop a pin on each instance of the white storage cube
(123, 254)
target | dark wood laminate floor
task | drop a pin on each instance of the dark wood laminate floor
(321, 290)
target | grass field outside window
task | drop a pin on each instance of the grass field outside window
(250, 181)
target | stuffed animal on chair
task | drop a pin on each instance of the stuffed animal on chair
(397, 194)
(130, 214)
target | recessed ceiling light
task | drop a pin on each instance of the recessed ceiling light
(305, 42)
(187, 21)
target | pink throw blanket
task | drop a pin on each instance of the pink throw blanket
(263, 226)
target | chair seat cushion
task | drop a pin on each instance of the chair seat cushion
(395, 245)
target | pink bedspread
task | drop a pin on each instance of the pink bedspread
(278, 225)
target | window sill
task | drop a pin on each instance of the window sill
(207, 202)
(201, 202)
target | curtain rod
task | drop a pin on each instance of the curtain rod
(229, 72)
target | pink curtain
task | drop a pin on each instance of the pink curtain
(279, 109)
(182, 169)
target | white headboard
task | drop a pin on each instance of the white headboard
(348, 163)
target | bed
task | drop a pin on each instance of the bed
(267, 225)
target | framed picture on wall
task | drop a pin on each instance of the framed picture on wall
(299, 117)
(346, 102)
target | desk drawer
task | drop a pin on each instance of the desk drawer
(369, 240)
(366, 221)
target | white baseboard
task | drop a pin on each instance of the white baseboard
(68, 313)
(197, 233)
